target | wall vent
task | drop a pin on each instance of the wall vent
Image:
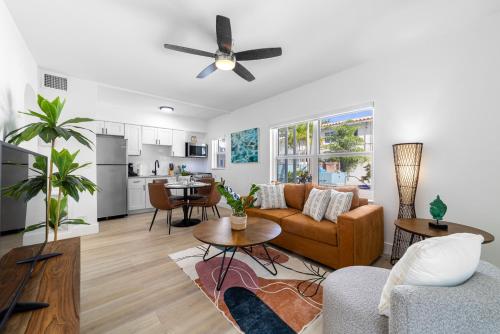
(55, 82)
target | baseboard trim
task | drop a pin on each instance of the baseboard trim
(387, 248)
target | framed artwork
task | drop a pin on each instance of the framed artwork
(245, 146)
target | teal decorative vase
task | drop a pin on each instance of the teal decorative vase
(438, 209)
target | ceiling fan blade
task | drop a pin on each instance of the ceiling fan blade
(207, 71)
(189, 50)
(243, 72)
(224, 36)
(258, 54)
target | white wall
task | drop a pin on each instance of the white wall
(18, 76)
(443, 93)
(81, 101)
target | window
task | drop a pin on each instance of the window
(294, 144)
(332, 150)
(219, 153)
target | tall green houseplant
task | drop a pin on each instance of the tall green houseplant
(49, 129)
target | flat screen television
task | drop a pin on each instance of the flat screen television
(19, 253)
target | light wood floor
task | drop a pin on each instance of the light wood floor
(130, 285)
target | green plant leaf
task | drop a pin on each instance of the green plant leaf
(76, 120)
(33, 227)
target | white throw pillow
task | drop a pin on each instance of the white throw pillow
(340, 202)
(316, 204)
(272, 196)
(440, 261)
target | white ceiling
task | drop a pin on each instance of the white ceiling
(120, 42)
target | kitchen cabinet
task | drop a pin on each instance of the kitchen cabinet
(178, 143)
(156, 136)
(149, 135)
(136, 194)
(164, 136)
(133, 135)
(110, 128)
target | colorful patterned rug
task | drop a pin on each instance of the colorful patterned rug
(252, 299)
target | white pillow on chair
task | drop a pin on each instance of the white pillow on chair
(440, 261)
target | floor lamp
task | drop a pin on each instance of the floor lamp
(407, 158)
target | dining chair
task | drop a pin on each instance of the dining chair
(172, 197)
(160, 199)
(211, 200)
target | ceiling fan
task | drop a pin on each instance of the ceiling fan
(225, 58)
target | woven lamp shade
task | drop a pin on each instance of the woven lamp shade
(407, 158)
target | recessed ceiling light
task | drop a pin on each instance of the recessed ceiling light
(166, 108)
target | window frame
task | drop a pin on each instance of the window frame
(315, 155)
(216, 152)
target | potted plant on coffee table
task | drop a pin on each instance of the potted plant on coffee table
(238, 204)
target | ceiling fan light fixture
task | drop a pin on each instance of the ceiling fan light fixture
(225, 62)
(166, 108)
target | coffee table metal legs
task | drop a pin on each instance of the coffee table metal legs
(223, 271)
(249, 253)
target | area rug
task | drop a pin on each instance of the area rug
(252, 299)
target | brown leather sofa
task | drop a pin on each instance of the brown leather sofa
(356, 239)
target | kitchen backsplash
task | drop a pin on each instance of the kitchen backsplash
(150, 153)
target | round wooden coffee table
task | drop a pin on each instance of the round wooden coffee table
(419, 229)
(217, 232)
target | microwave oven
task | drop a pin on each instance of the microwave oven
(196, 150)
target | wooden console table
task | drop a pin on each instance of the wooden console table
(57, 282)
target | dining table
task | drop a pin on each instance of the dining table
(188, 195)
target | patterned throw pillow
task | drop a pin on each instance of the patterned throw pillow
(316, 204)
(340, 202)
(272, 196)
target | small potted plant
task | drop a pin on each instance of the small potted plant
(238, 204)
(185, 175)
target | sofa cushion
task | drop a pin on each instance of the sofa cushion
(340, 203)
(272, 214)
(306, 227)
(295, 195)
(273, 196)
(316, 204)
(353, 189)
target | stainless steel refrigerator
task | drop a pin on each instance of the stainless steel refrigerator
(111, 164)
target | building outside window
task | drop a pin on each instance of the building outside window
(333, 150)
(219, 153)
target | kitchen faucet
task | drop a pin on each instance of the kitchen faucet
(157, 164)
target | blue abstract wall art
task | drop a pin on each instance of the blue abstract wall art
(245, 146)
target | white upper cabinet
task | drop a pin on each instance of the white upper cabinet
(178, 143)
(149, 135)
(115, 129)
(156, 136)
(100, 127)
(110, 128)
(134, 139)
(164, 136)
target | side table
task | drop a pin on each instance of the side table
(409, 231)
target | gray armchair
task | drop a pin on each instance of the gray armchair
(351, 297)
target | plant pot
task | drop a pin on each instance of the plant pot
(238, 223)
